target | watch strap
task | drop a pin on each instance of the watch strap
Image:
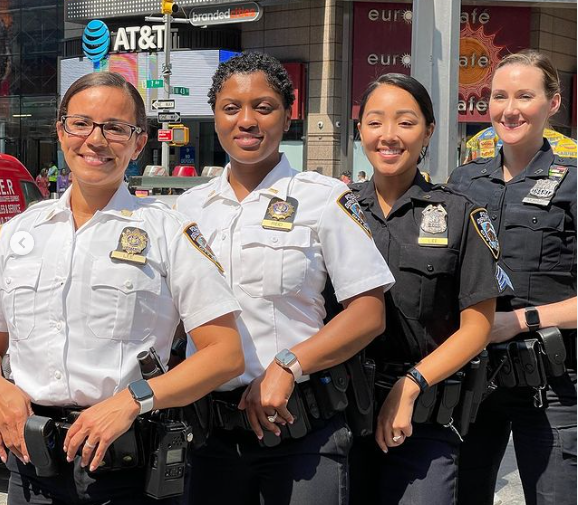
(415, 375)
(296, 370)
(146, 405)
(532, 317)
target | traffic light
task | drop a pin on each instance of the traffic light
(180, 134)
(169, 7)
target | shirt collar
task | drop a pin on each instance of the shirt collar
(122, 205)
(275, 183)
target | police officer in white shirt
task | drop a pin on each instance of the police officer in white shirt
(88, 282)
(279, 234)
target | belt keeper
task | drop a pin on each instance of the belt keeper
(415, 375)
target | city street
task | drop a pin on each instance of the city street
(509, 486)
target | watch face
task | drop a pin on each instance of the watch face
(532, 317)
(286, 357)
(141, 390)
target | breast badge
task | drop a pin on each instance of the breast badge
(132, 242)
(349, 204)
(433, 230)
(280, 214)
(196, 238)
(485, 229)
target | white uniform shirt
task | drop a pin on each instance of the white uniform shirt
(77, 318)
(278, 276)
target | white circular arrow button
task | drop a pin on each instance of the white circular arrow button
(21, 243)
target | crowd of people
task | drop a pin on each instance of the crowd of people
(50, 180)
(342, 336)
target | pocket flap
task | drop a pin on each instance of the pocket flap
(124, 277)
(534, 218)
(428, 260)
(298, 237)
(21, 273)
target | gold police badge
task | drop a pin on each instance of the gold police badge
(132, 242)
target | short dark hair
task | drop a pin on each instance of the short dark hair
(108, 79)
(407, 83)
(248, 63)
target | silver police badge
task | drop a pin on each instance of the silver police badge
(544, 188)
(434, 219)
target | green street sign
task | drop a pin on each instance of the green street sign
(152, 83)
(180, 90)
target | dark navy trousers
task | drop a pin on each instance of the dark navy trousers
(544, 442)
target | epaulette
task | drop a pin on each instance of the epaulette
(566, 162)
(316, 178)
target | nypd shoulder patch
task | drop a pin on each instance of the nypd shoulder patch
(196, 238)
(351, 207)
(485, 228)
(503, 279)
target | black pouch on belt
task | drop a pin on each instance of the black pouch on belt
(198, 416)
(553, 350)
(300, 427)
(474, 386)
(502, 363)
(424, 405)
(330, 389)
(449, 396)
(360, 395)
(529, 364)
(40, 436)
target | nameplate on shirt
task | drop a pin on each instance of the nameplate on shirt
(280, 214)
(545, 189)
(131, 243)
(433, 230)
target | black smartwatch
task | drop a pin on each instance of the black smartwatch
(143, 395)
(532, 318)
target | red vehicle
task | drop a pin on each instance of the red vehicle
(17, 188)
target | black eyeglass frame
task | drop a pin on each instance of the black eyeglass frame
(132, 127)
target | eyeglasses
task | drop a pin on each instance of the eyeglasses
(114, 131)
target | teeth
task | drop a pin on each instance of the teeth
(96, 158)
(512, 125)
(390, 151)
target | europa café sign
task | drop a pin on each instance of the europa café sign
(382, 44)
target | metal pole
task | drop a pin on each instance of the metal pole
(165, 149)
(435, 57)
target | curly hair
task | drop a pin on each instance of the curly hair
(248, 63)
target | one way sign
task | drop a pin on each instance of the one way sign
(162, 104)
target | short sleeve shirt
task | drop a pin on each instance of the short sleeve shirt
(433, 283)
(278, 276)
(538, 242)
(78, 318)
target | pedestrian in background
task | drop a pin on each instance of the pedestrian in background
(62, 182)
(88, 282)
(531, 197)
(42, 182)
(361, 176)
(439, 312)
(52, 177)
(279, 234)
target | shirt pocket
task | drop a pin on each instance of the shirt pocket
(124, 299)
(533, 238)
(19, 293)
(273, 263)
(426, 285)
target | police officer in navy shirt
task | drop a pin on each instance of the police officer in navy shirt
(530, 195)
(441, 248)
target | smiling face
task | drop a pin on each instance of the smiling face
(95, 161)
(519, 107)
(250, 120)
(393, 131)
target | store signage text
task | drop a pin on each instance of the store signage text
(406, 16)
(472, 105)
(209, 16)
(142, 38)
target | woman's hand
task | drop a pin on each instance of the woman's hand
(267, 396)
(99, 426)
(15, 409)
(394, 420)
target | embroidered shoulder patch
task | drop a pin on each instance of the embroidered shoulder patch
(351, 207)
(485, 229)
(503, 279)
(196, 238)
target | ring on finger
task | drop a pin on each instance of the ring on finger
(272, 418)
(89, 445)
(397, 438)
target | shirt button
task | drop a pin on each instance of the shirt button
(534, 220)
(128, 284)
(539, 171)
(484, 171)
(8, 280)
(274, 240)
(427, 197)
(430, 268)
(57, 375)
(224, 236)
(58, 325)
(494, 217)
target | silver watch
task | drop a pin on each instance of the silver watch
(289, 361)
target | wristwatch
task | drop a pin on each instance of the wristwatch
(532, 318)
(415, 375)
(142, 394)
(289, 361)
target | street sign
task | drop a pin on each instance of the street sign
(224, 14)
(179, 90)
(162, 104)
(165, 135)
(152, 83)
(166, 117)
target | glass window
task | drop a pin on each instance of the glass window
(31, 193)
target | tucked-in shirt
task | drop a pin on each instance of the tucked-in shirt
(77, 318)
(434, 283)
(278, 276)
(538, 242)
